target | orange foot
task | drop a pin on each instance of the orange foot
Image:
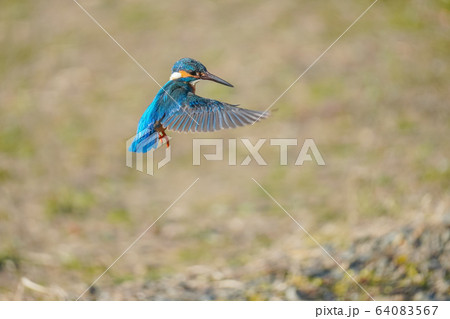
(163, 136)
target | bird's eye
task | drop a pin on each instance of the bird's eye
(193, 73)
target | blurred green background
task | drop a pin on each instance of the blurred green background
(376, 105)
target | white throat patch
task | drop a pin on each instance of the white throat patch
(175, 75)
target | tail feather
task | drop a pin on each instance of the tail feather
(144, 141)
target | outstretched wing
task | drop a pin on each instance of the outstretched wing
(198, 114)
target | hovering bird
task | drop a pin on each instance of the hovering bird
(177, 108)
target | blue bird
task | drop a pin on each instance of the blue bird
(177, 108)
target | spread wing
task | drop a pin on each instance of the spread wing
(204, 115)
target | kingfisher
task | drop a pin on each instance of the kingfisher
(176, 107)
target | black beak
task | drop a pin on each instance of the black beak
(212, 77)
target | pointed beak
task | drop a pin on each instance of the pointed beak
(212, 77)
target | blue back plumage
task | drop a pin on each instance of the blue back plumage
(169, 99)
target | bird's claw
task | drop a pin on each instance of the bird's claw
(163, 136)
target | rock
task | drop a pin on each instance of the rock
(411, 263)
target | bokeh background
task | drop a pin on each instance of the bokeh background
(376, 105)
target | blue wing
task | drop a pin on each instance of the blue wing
(198, 114)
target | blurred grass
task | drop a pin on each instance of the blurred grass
(69, 202)
(376, 105)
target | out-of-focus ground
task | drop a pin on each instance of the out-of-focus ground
(376, 105)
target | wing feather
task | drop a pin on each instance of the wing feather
(198, 114)
(193, 122)
(176, 126)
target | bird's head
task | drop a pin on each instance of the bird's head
(191, 71)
